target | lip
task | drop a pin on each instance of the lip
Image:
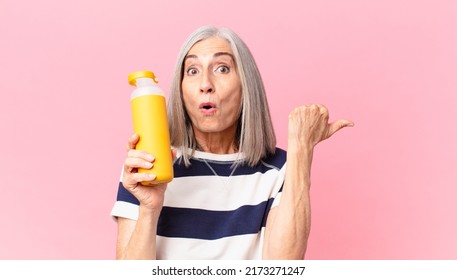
(207, 108)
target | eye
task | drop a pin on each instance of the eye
(223, 69)
(191, 71)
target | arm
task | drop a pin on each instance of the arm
(137, 239)
(289, 223)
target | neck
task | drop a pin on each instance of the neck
(217, 143)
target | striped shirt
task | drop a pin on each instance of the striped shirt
(212, 211)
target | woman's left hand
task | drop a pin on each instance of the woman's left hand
(308, 124)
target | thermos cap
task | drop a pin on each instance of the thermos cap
(141, 74)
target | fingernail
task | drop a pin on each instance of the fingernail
(147, 164)
(152, 176)
(150, 157)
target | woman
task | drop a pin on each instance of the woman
(232, 196)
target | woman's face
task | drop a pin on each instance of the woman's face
(211, 87)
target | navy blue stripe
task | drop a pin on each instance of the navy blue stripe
(278, 159)
(199, 167)
(210, 225)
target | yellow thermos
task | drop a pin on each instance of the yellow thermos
(149, 115)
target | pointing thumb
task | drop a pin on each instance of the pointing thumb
(337, 125)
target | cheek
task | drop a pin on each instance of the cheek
(186, 96)
(187, 104)
(188, 90)
(237, 90)
(235, 104)
(237, 96)
(232, 90)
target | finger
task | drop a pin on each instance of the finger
(140, 154)
(322, 109)
(324, 113)
(132, 180)
(143, 177)
(133, 140)
(317, 110)
(129, 169)
(132, 163)
(337, 125)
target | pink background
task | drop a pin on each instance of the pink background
(385, 189)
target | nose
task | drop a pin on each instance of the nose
(206, 83)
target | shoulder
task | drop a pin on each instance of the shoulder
(277, 160)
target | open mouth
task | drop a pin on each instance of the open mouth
(207, 106)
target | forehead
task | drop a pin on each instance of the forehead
(210, 46)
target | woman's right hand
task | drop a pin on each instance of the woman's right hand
(150, 197)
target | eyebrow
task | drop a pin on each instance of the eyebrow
(215, 55)
(224, 53)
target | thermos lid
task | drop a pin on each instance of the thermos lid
(141, 74)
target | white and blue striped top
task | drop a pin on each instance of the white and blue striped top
(213, 217)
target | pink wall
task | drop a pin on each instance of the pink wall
(385, 189)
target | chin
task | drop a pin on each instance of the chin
(208, 130)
